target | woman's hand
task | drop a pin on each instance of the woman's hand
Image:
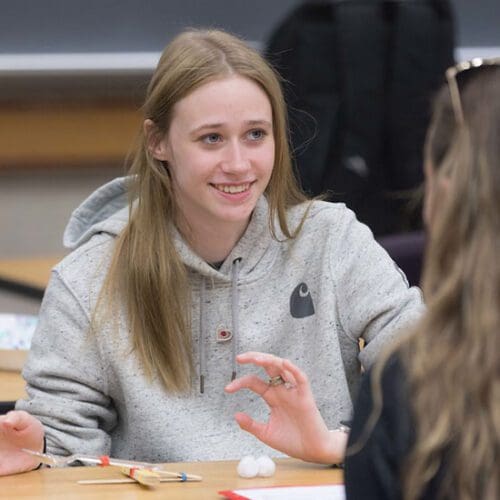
(19, 429)
(295, 426)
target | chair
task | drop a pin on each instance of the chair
(407, 251)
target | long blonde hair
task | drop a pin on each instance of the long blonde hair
(146, 272)
(452, 359)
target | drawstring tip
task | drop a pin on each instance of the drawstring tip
(202, 384)
(233, 376)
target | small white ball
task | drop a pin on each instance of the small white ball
(267, 467)
(248, 467)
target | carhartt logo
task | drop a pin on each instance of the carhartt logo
(301, 304)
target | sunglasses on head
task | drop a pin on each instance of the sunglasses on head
(455, 73)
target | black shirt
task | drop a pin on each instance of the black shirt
(374, 472)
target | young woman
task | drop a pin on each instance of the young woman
(427, 420)
(214, 252)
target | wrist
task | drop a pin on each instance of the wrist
(338, 444)
(332, 450)
(339, 437)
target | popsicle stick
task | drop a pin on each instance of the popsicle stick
(143, 476)
(124, 480)
(180, 475)
(127, 480)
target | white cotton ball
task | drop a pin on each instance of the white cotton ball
(248, 467)
(267, 467)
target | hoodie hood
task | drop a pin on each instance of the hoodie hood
(105, 210)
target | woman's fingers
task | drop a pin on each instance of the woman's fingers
(251, 382)
(261, 387)
(272, 364)
(16, 420)
(257, 358)
(275, 366)
(19, 429)
(299, 376)
(248, 424)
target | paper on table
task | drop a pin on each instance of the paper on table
(323, 492)
(16, 331)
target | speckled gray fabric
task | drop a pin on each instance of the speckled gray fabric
(308, 299)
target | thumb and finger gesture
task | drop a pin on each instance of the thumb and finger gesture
(295, 425)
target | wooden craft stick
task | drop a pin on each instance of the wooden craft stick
(107, 481)
(182, 476)
(143, 476)
(128, 480)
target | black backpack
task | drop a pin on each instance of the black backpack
(360, 77)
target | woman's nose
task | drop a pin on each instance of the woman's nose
(235, 159)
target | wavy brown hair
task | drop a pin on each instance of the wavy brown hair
(146, 272)
(453, 359)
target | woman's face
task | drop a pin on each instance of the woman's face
(220, 152)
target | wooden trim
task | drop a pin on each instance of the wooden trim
(67, 135)
(30, 272)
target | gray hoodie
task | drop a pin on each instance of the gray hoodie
(309, 299)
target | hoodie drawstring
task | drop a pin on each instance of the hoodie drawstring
(201, 339)
(235, 299)
(235, 324)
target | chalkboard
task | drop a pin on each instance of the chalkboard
(67, 26)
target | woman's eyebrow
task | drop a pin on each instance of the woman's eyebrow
(217, 125)
(253, 123)
(206, 126)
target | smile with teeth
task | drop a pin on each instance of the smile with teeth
(233, 189)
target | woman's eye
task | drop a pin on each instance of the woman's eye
(211, 138)
(257, 134)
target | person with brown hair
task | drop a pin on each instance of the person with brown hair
(207, 249)
(427, 421)
(427, 418)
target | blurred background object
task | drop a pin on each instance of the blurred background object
(360, 76)
(72, 78)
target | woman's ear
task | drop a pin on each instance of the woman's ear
(157, 145)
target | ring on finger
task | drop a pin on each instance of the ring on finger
(274, 381)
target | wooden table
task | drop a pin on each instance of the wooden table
(11, 386)
(62, 483)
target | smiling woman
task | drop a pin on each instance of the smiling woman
(219, 153)
(206, 250)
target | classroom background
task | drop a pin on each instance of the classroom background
(72, 77)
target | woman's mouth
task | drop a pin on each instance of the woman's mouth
(232, 188)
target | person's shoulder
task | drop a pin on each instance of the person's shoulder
(318, 212)
(393, 372)
(393, 385)
(390, 369)
(386, 382)
(388, 374)
(394, 364)
(88, 262)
